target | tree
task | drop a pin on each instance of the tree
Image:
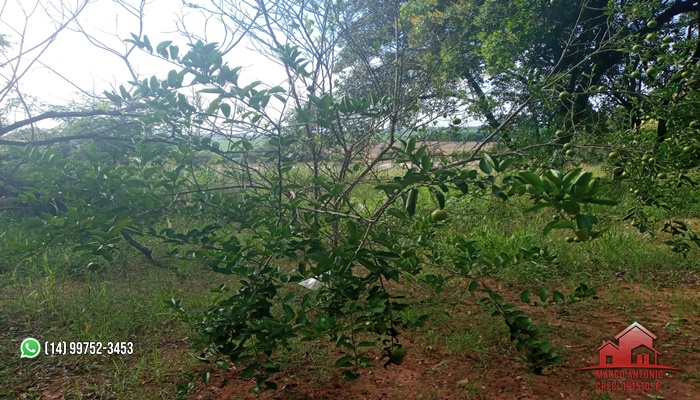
(274, 220)
(518, 46)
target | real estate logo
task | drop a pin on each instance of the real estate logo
(630, 365)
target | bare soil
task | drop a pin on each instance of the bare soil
(438, 148)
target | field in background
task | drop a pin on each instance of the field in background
(438, 147)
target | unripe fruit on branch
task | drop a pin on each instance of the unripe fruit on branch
(439, 215)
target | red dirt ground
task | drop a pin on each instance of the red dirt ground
(433, 374)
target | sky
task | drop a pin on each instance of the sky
(72, 62)
(73, 59)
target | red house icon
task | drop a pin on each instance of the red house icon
(635, 349)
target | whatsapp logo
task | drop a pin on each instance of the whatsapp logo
(30, 348)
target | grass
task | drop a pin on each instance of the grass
(121, 304)
(54, 298)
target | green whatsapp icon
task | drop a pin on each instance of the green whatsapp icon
(30, 348)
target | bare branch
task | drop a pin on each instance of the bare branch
(67, 114)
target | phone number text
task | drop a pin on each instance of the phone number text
(89, 348)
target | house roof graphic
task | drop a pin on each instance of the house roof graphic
(634, 349)
(608, 343)
(638, 326)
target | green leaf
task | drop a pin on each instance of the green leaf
(147, 44)
(426, 163)
(462, 186)
(226, 109)
(411, 145)
(538, 206)
(395, 212)
(411, 202)
(155, 85)
(354, 235)
(554, 176)
(558, 297)
(113, 98)
(525, 297)
(504, 164)
(566, 224)
(389, 187)
(250, 371)
(532, 178)
(174, 50)
(585, 221)
(124, 93)
(349, 376)
(440, 198)
(571, 207)
(543, 294)
(566, 180)
(161, 48)
(344, 362)
(484, 166)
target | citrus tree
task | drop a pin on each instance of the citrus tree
(280, 186)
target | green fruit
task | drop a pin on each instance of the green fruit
(570, 239)
(564, 95)
(686, 74)
(568, 146)
(651, 160)
(602, 88)
(397, 355)
(661, 59)
(637, 47)
(456, 121)
(652, 24)
(571, 153)
(646, 157)
(694, 124)
(618, 170)
(636, 75)
(439, 215)
(687, 149)
(651, 71)
(662, 175)
(614, 155)
(667, 39)
(559, 133)
(650, 37)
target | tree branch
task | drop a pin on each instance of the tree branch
(67, 114)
